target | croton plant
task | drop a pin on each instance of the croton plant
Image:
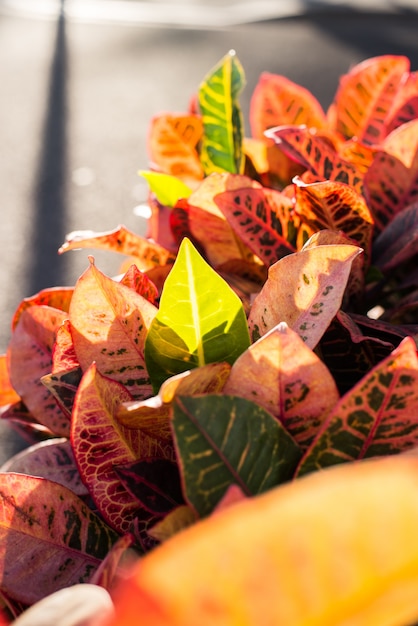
(265, 329)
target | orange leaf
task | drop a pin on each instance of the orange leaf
(305, 290)
(281, 374)
(29, 357)
(337, 547)
(7, 393)
(172, 146)
(109, 323)
(365, 97)
(276, 101)
(146, 253)
(56, 297)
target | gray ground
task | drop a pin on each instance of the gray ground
(77, 92)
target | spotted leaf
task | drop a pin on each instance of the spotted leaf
(305, 290)
(377, 417)
(286, 378)
(49, 528)
(109, 323)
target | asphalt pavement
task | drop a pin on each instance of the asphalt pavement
(77, 92)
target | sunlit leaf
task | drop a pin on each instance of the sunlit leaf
(109, 323)
(200, 320)
(317, 155)
(365, 96)
(55, 297)
(147, 254)
(100, 443)
(48, 527)
(172, 145)
(52, 459)
(335, 206)
(286, 378)
(221, 147)
(206, 224)
(339, 546)
(263, 219)
(167, 188)
(378, 417)
(276, 101)
(140, 283)
(223, 440)
(305, 290)
(8, 394)
(29, 357)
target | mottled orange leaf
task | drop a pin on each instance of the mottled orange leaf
(378, 417)
(317, 155)
(140, 283)
(8, 394)
(286, 378)
(172, 145)
(146, 253)
(337, 547)
(48, 528)
(63, 353)
(364, 99)
(358, 153)
(100, 443)
(109, 323)
(335, 206)
(276, 101)
(305, 290)
(29, 357)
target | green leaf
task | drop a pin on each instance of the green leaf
(378, 417)
(200, 320)
(221, 149)
(224, 440)
(167, 189)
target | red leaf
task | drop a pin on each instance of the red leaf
(101, 443)
(140, 283)
(55, 297)
(263, 219)
(365, 97)
(108, 574)
(317, 155)
(109, 323)
(48, 537)
(30, 357)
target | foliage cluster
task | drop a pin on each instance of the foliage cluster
(264, 330)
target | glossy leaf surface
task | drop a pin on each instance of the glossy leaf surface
(377, 417)
(61, 541)
(221, 148)
(304, 290)
(167, 188)
(140, 283)
(339, 546)
(109, 323)
(200, 320)
(286, 378)
(223, 440)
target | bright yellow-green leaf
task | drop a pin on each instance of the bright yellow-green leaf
(167, 189)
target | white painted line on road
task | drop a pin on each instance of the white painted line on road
(190, 14)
